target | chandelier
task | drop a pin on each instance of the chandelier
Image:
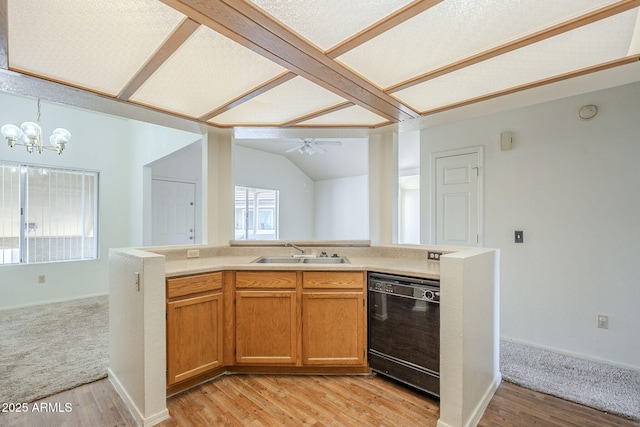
(29, 135)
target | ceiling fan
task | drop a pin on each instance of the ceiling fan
(310, 146)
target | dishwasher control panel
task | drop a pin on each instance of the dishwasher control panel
(420, 289)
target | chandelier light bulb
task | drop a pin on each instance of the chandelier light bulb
(59, 136)
(31, 131)
(12, 133)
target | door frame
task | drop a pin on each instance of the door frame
(479, 151)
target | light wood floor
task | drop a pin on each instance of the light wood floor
(267, 400)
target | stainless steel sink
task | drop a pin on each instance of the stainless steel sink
(300, 260)
(277, 260)
(327, 260)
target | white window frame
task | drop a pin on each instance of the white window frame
(59, 223)
(251, 229)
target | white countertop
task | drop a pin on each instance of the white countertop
(401, 260)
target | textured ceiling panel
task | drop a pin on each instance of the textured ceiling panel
(347, 116)
(586, 46)
(453, 30)
(87, 43)
(326, 23)
(208, 71)
(290, 100)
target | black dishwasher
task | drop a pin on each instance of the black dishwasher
(404, 330)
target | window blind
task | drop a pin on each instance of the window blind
(49, 214)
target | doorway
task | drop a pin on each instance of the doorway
(457, 194)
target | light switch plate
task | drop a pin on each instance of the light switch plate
(519, 236)
(506, 141)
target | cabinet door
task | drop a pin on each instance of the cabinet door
(333, 328)
(194, 336)
(266, 327)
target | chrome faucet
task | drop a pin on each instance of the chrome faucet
(302, 251)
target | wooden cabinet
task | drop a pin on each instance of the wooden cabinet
(194, 326)
(333, 318)
(280, 321)
(266, 318)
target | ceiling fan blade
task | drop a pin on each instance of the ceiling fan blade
(338, 143)
(298, 147)
(318, 149)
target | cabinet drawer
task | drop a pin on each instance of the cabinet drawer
(182, 286)
(333, 280)
(266, 279)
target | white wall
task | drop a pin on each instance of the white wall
(137, 333)
(97, 143)
(148, 143)
(255, 168)
(118, 149)
(573, 187)
(409, 216)
(342, 208)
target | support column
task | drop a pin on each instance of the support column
(217, 170)
(383, 188)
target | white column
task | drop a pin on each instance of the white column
(383, 188)
(217, 171)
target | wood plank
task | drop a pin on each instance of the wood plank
(589, 18)
(252, 28)
(542, 82)
(513, 405)
(385, 24)
(186, 28)
(308, 400)
(276, 81)
(318, 113)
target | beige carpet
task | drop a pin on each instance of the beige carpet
(50, 348)
(598, 385)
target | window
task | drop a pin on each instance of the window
(48, 214)
(256, 214)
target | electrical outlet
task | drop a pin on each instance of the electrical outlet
(193, 253)
(42, 279)
(603, 321)
(434, 256)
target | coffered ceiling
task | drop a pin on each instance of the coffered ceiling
(313, 63)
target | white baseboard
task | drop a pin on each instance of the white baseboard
(34, 304)
(478, 411)
(133, 409)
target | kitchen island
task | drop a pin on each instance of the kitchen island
(469, 313)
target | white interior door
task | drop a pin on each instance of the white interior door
(173, 214)
(457, 199)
